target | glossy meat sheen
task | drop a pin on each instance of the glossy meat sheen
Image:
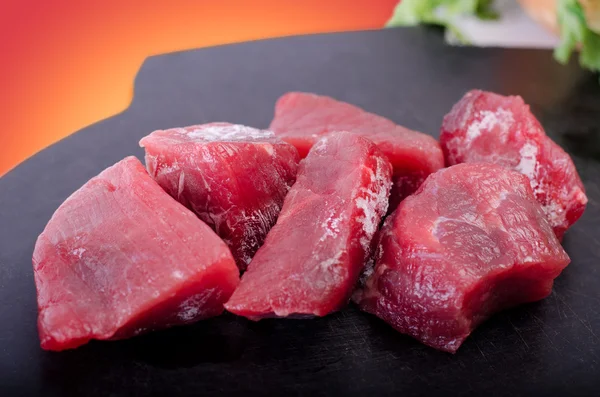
(487, 127)
(233, 177)
(302, 119)
(470, 242)
(120, 257)
(313, 256)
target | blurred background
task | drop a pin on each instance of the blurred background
(70, 63)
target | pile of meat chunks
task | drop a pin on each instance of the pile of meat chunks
(330, 204)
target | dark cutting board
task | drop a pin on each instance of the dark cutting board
(409, 75)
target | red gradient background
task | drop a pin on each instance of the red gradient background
(69, 63)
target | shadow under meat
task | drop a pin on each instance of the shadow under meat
(216, 340)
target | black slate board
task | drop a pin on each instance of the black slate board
(548, 348)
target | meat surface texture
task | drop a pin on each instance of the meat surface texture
(233, 177)
(487, 127)
(470, 242)
(302, 119)
(313, 256)
(120, 257)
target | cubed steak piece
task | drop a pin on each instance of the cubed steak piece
(470, 242)
(232, 176)
(120, 257)
(487, 127)
(313, 256)
(302, 119)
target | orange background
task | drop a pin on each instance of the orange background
(69, 63)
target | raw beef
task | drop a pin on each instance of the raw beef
(470, 242)
(301, 119)
(487, 127)
(233, 177)
(120, 257)
(313, 256)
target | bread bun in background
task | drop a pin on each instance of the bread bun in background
(543, 12)
(592, 13)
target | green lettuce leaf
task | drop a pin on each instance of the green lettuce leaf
(574, 31)
(439, 12)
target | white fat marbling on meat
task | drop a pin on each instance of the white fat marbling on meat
(374, 202)
(321, 146)
(331, 226)
(367, 271)
(580, 196)
(180, 183)
(207, 156)
(329, 265)
(79, 252)
(435, 227)
(528, 164)
(495, 204)
(256, 226)
(263, 219)
(487, 121)
(167, 169)
(190, 309)
(467, 113)
(330, 270)
(177, 274)
(555, 213)
(227, 132)
(468, 218)
(426, 288)
(268, 148)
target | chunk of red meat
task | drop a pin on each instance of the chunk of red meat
(120, 257)
(487, 127)
(313, 256)
(233, 177)
(470, 242)
(302, 119)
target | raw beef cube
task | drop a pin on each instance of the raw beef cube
(120, 257)
(302, 119)
(312, 257)
(487, 127)
(233, 177)
(470, 242)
